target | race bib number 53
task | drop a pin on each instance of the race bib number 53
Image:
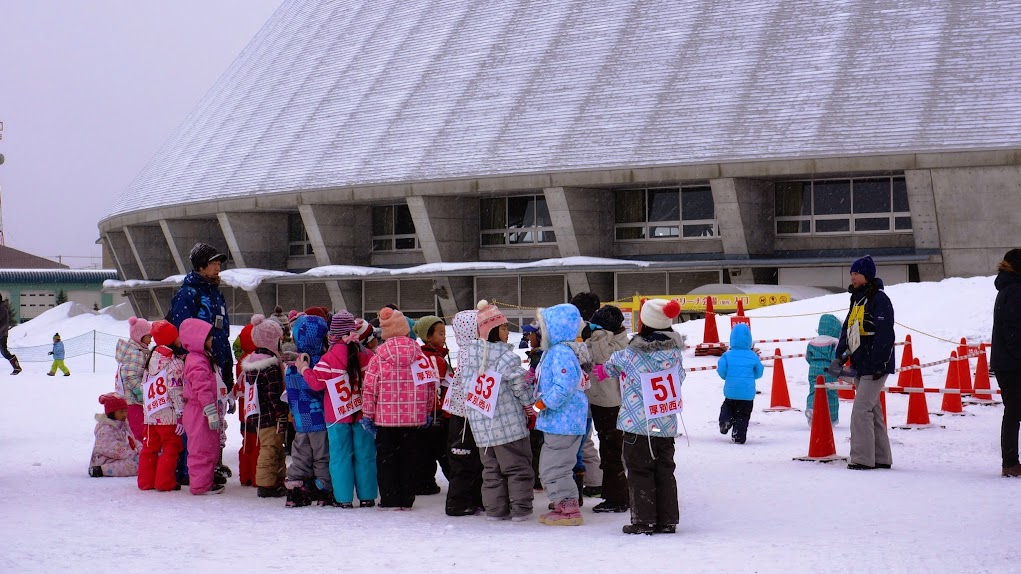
(482, 393)
(661, 393)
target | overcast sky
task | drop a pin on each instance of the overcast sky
(89, 90)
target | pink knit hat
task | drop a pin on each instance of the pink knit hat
(266, 334)
(393, 323)
(139, 328)
(292, 315)
(342, 327)
(490, 316)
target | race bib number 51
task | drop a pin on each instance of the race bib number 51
(661, 393)
(482, 393)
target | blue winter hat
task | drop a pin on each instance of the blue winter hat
(866, 266)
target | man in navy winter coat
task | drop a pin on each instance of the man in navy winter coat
(867, 336)
(1006, 358)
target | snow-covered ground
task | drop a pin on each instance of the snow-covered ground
(744, 508)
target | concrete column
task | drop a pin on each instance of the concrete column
(583, 221)
(118, 247)
(744, 211)
(322, 254)
(171, 245)
(448, 229)
(150, 248)
(924, 224)
(257, 241)
(183, 234)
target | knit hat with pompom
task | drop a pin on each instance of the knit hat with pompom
(266, 334)
(490, 317)
(393, 323)
(112, 402)
(660, 313)
(139, 328)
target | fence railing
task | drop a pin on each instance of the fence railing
(92, 343)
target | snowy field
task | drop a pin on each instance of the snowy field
(744, 508)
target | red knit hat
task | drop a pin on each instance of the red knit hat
(163, 333)
(247, 346)
(112, 402)
(317, 311)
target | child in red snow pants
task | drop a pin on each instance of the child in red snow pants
(157, 464)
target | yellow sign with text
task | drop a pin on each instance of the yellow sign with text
(722, 302)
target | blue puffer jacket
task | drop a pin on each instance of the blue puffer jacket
(58, 351)
(200, 299)
(306, 404)
(740, 366)
(559, 373)
(875, 354)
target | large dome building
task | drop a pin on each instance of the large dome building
(690, 142)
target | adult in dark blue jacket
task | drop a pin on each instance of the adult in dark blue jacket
(1006, 358)
(200, 298)
(867, 336)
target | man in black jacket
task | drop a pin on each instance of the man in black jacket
(1006, 357)
(5, 325)
(868, 337)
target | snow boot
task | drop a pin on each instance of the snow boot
(1011, 471)
(666, 528)
(217, 489)
(271, 492)
(366, 503)
(97, 471)
(50, 374)
(607, 506)
(565, 513)
(579, 480)
(297, 494)
(639, 529)
(67, 374)
(15, 365)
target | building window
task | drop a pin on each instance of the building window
(665, 213)
(393, 229)
(519, 220)
(865, 205)
(297, 239)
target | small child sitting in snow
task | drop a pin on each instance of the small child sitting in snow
(116, 451)
(58, 357)
(739, 368)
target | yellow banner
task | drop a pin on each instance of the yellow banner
(723, 302)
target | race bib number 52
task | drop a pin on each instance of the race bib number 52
(661, 393)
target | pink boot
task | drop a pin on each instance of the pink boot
(565, 513)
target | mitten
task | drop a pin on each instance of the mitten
(600, 372)
(368, 425)
(50, 353)
(137, 394)
(232, 405)
(179, 429)
(835, 367)
(211, 416)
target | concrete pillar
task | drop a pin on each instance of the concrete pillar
(257, 241)
(150, 248)
(310, 219)
(924, 224)
(183, 234)
(744, 212)
(119, 248)
(448, 230)
(583, 221)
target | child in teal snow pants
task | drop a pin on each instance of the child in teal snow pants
(820, 353)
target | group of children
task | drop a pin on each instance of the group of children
(366, 419)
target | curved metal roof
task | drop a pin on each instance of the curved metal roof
(333, 94)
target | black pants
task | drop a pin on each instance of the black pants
(434, 441)
(737, 413)
(535, 440)
(3, 348)
(611, 444)
(465, 474)
(651, 482)
(398, 454)
(1010, 391)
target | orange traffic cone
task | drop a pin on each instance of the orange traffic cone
(918, 408)
(710, 344)
(916, 380)
(780, 399)
(739, 318)
(821, 446)
(982, 380)
(906, 378)
(952, 401)
(964, 368)
(846, 394)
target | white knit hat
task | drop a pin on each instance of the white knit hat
(660, 313)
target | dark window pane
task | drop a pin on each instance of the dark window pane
(900, 195)
(493, 213)
(406, 243)
(662, 231)
(872, 224)
(383, 220)
(872, 195)
(548, 237)
(787, 227)
(520, 212)
(295, 227)
(832, 225)
(403, 224)
(793, 198)
(701, 230)
(493, 239)
(832, 197)
(629, 206)
(382, 244)
(697, 203)
(663, 205)
(522, 237)
(542, 216)
(297, 249)
(903, 223)
(630, 233)
(308, 250)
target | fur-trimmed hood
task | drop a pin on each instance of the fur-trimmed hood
(258, 361)
(673, 340)
(102, 419)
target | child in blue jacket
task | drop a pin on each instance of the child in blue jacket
(739, 368)
(58, 357)
(308, 476)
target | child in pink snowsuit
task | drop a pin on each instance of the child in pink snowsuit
(116, 450)
(201, 419)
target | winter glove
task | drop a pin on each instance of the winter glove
(50, 353)
(179, 429)
(428, 422)
(836, 365)
(600, 372)
(232, 405)
(211, 415)
(539, 406)
(137, 395)
(368, 425)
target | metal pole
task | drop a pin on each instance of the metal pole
(93, 350)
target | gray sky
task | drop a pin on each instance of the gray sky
(88, 93)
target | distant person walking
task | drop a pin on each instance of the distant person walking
(5, 326)
(1006, 357)
(867, 337)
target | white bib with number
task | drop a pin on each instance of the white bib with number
(424, 371)
(157, 392)
(221, 389)
(118, 386)
(345, 401)
(853, 337)
(252, 407)
(661, 393)
(482, 393)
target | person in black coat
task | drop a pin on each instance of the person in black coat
(5, 326)
(1006, 355)
(868, 338)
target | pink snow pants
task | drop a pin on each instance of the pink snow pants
(203, 448)
(136, 421)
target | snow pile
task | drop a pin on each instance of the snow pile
(70, 320)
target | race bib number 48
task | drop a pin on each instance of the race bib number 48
(424, 371)
(482, 393)
(157, 393)
(661, 393)
(345, 402)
